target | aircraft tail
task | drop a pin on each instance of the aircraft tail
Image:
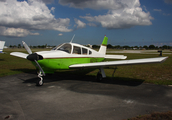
(103, 46)
(1, 46)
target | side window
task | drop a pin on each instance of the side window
(90, 52)
(84, 51)
(76, 50)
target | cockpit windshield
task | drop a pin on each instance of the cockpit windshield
(66, 47)
(56, 47)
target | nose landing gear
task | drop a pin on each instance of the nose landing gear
(40, 81)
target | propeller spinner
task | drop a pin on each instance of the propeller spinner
(34, 56)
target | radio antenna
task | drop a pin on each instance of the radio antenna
(72, 38)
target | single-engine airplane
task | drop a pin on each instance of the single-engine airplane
(72, 55)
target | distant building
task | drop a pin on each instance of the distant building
(89, 45)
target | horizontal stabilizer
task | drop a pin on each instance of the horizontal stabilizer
(19, 54)
(121, 62)
(115, 57)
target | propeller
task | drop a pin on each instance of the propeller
(27, 48)
(33, 57)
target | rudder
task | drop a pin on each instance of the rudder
(103, 46)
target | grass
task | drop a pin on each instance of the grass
(13, 65)
(150, 73)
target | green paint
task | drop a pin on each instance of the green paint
(105, 40)
(50, 65)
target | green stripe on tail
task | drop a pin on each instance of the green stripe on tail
(105, 40)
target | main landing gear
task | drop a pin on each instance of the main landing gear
(40, 81)
(100, 74)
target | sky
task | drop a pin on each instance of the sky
(52, 22)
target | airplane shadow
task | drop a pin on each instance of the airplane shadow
(81, 75)
(30, 71)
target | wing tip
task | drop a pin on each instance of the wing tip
(165, 58)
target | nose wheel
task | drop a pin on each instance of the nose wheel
(40, 81)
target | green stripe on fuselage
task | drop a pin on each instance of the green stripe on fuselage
(50, 65)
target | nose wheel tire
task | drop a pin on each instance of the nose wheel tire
(40, 82)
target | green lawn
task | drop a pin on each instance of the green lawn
(149, 73)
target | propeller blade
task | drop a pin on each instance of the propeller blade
(40, 68)
(27, 48)
(33, 57)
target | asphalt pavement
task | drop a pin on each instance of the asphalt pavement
(79, 98)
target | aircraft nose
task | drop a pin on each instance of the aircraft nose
(34, 56)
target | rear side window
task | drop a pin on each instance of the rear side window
(76, 50)
(90, 52)
(84, 51)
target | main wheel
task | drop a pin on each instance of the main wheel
(99, 76)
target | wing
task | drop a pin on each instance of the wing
(19, 54)
(121, 62)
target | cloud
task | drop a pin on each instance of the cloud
(15, 32)
(144, 7)
(52, 9)
(168, 1)
(60, 34)
(92, 24)
(166, 14)
(45, 1)
(80, 24)
(94, 4)
(121, 13)
(124, 14)
(48, 1)
(158, 10)
(31, 15)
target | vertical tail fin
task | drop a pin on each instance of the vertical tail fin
(103, 46)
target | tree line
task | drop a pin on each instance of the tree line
(109, 46)
(38, 46)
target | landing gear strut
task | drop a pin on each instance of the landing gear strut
(40, 81)
(100, 74)
(114, 72)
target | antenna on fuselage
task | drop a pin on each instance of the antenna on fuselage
(72, 38)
